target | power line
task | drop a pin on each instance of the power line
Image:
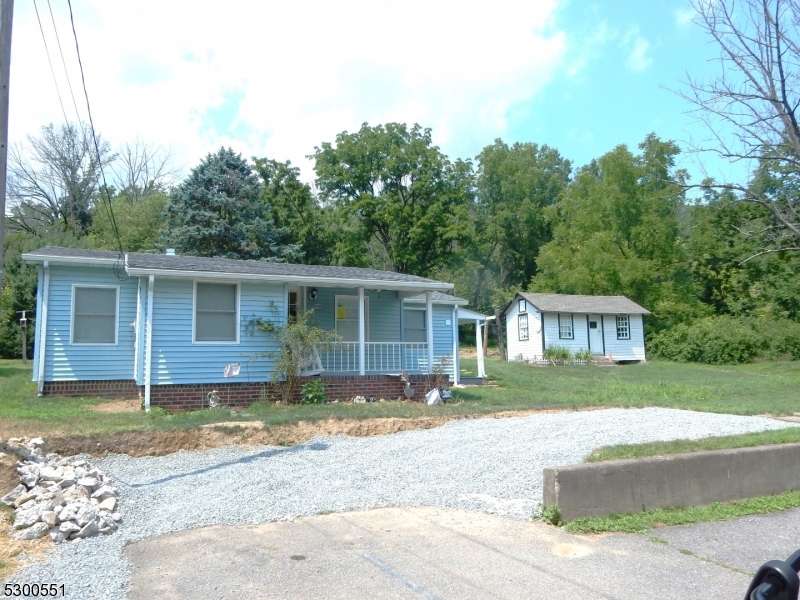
(94, 139)
(52, 71)
(63, 62)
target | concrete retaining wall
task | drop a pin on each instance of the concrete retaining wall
(692, 479)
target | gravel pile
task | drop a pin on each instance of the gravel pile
(488, 465)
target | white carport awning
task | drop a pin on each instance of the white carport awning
(470, 316)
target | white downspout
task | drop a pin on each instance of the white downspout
(43, 329)
(148, 342)
(136, 335)
(455, 345)
(479, 347)
(429, 327)
(362, 369)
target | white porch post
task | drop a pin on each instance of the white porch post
(429, 328)
(455, 345)
(362, 369)
(148, 342)
(479, 347)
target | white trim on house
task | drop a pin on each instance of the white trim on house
(72, 341)
(43, 328)
(148, 342)
(194, 314)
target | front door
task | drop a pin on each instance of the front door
(596, 334)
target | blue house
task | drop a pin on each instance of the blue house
(173, 329)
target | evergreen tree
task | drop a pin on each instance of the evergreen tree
(217, 212)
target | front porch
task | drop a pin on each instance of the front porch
(383, 358)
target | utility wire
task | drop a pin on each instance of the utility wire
(52, 71)
(96, 146)
(63, 62)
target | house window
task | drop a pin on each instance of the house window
(414, 325)
(623, 327)
(565, 327)
(523, 328)
(94, 314)
(523, 306)
(216, 312)
(347, 318)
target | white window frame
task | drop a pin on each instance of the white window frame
(571, 335)
(194, 312)
(72, 317)
(366, 314)
(519, 328)
(626, 327)
(523, 305)
(424, 321)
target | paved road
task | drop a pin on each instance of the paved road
(412, 553)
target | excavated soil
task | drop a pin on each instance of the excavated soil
(158, 443)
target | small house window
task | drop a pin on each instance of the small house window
(94, 315)
(623, 327)
(523, 328)
(347, 318)
(414, 326)
(523, 306)
(565, 327)
(216, 317)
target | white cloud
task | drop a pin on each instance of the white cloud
(637, 47)
(276, 79)
(684, 16)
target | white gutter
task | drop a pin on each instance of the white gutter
(43, 329)
(69, 260)
(455, 345)
(298, 279)
(148, 342)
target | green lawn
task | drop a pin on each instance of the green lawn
(746, 389)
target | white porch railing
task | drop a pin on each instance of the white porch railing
(385, 357)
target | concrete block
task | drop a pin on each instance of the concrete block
(691, 479)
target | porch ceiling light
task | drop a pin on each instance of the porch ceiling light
(313, 294)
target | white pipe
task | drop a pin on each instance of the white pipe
(148, 342)
(455, 345)
(429, 327)
(43, 329)
(479, 348)
(362, 370)
(136, 336)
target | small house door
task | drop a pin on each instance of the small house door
(596, 335)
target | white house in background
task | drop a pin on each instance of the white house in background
(611, 326)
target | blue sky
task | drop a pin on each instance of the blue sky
(276, 80)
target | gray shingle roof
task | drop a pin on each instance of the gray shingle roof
(438, 297)
(162, 262)
(568, 303)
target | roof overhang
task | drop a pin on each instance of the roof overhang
(446, 302)
(470, 316)
(414, 286)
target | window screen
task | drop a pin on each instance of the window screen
(523, 327)
(94, 316)
(565, 327)
(215, 313)
(414, 326)
(347, 318)
(623, 328)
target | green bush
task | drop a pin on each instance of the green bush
(585, 355)
(558, 355)
(728, 340)
(313, 392)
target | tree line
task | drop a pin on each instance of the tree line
(717, 263)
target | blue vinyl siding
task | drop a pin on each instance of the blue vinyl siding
(443, 334)
(177, 360)
(65, 362)
(384, 312)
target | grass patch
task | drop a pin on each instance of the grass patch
(741, 389)
(746, 440)
(651, 519)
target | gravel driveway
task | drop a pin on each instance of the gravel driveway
(489, 465)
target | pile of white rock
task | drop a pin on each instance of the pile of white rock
(65, 497)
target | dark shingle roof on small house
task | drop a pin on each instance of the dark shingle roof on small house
(570, 303)
(139, 262)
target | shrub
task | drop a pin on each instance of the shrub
(313, 392)
(728, 340)
(558, 355)
(584, 355)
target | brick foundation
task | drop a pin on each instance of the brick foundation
(116, 388)
(181, 397)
